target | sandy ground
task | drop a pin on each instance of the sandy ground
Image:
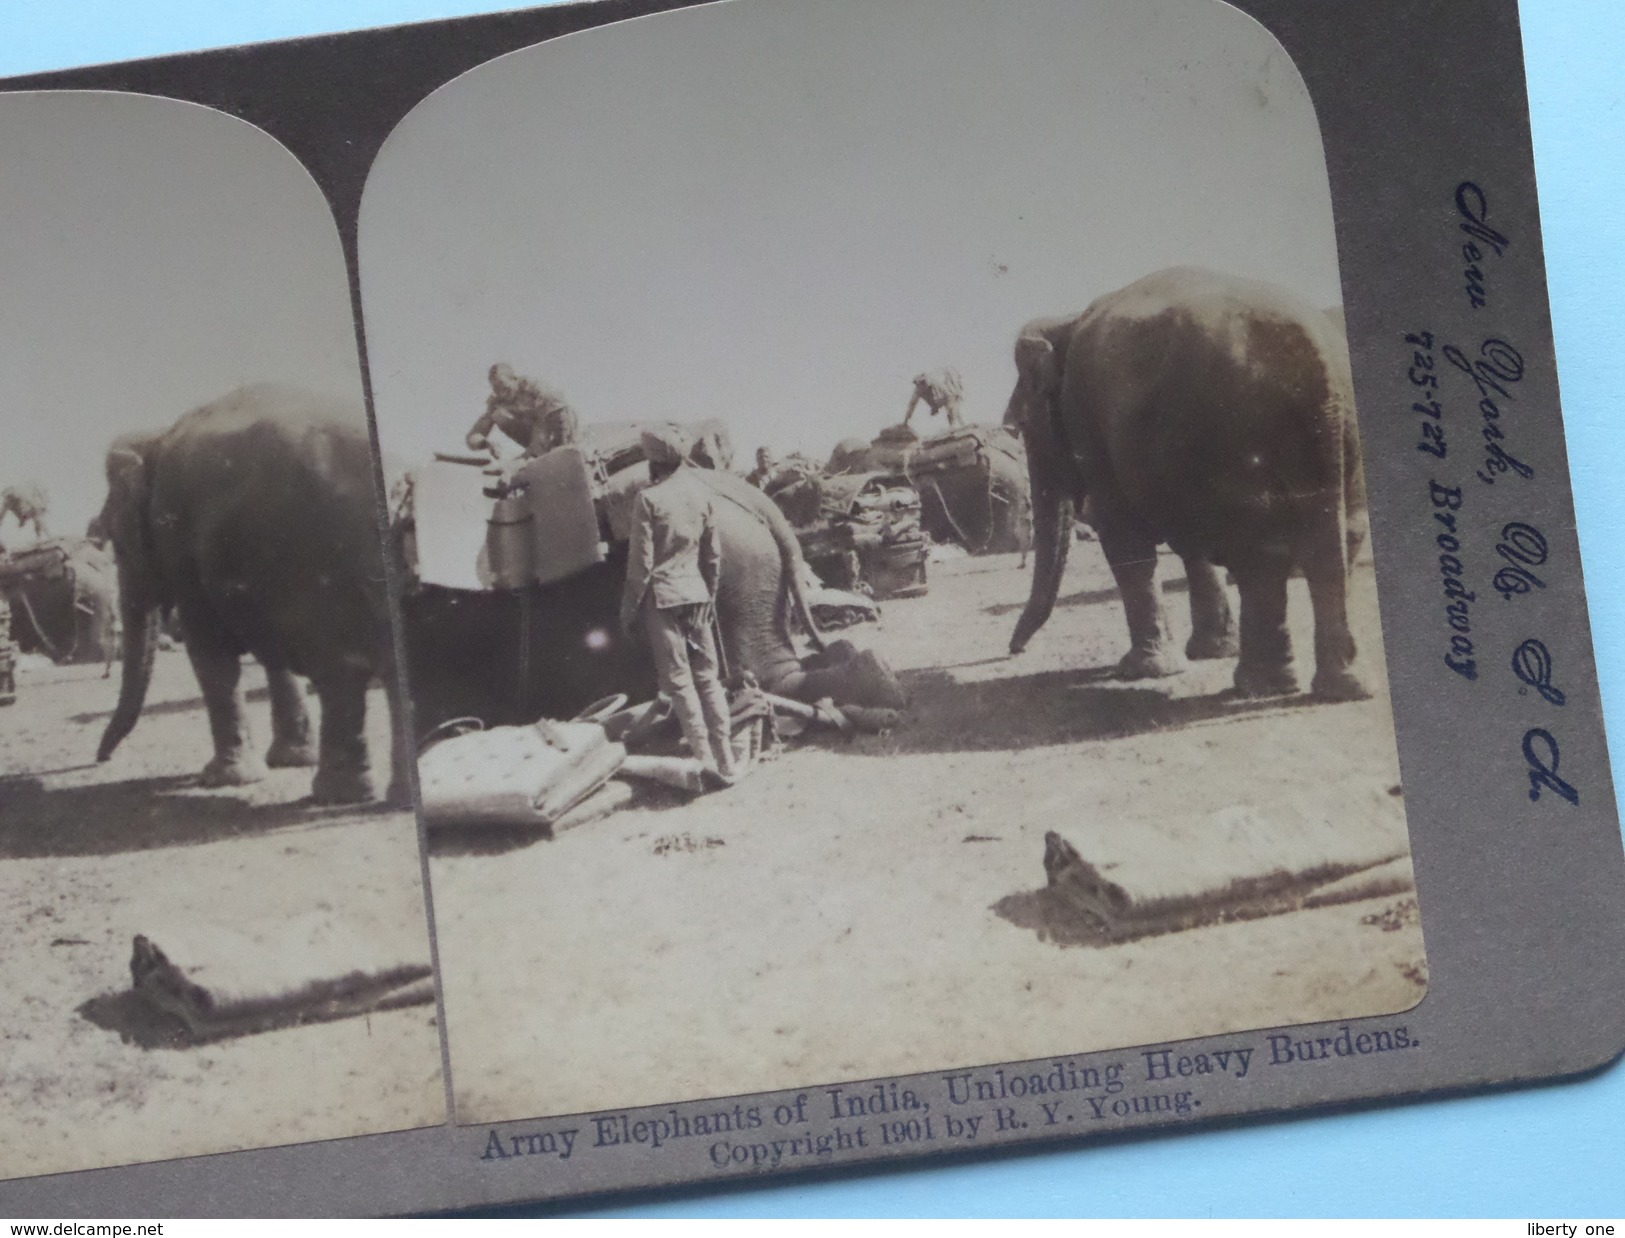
(91, 855)
(834, 917)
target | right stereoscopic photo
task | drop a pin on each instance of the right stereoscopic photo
(887, 583)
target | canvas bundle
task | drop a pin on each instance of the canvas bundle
(516, 775)
(1233, 864)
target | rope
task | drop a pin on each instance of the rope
(28, 609)
(450, 729)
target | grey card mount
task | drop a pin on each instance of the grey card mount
(936, 612)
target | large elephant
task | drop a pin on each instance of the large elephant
(255, 518)
(510, 656)
(1216, 415)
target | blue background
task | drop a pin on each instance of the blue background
(1551, 1152)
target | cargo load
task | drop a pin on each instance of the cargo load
(514, 572)
(972, 482)
(868, 533)
(480, 524)
(62, 597)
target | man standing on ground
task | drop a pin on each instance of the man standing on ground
(672, 569)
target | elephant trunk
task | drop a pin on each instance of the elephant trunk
(140, 616)
(1052, 538)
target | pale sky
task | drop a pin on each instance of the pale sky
(778, 211)
(773, 211)
(153, 256)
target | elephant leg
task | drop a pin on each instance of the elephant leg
(219, 672)
(1213, 627)
(1266, 666)
(1133, 561)
(1335, 679)
(342, 772)
(291, 743)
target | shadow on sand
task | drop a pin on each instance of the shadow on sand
(1053, 919)
(139, 1020)
(140, 814)
(499, 840)
(155, 709)
(1051, 707)
(487, 840)
(1084, 597)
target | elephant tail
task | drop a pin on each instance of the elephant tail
(140, 646)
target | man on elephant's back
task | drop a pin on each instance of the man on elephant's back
(672, 568)
(535, 416)
(942, 392)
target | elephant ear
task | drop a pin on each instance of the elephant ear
(125, 516)
(1037, 363)
(1038, 384)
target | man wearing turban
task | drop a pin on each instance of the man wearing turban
(672, 569)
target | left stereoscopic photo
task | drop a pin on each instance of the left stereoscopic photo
(208, 862)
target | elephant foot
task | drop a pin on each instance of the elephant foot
(399, 795)
(1149, 664)
(1256, 681)
(1206, 646)
(849, 676)
(1340, 685)
(869, 681)
(341, 786)
(290, 754)
(224, 772)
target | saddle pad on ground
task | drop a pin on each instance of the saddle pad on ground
(515, 775)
